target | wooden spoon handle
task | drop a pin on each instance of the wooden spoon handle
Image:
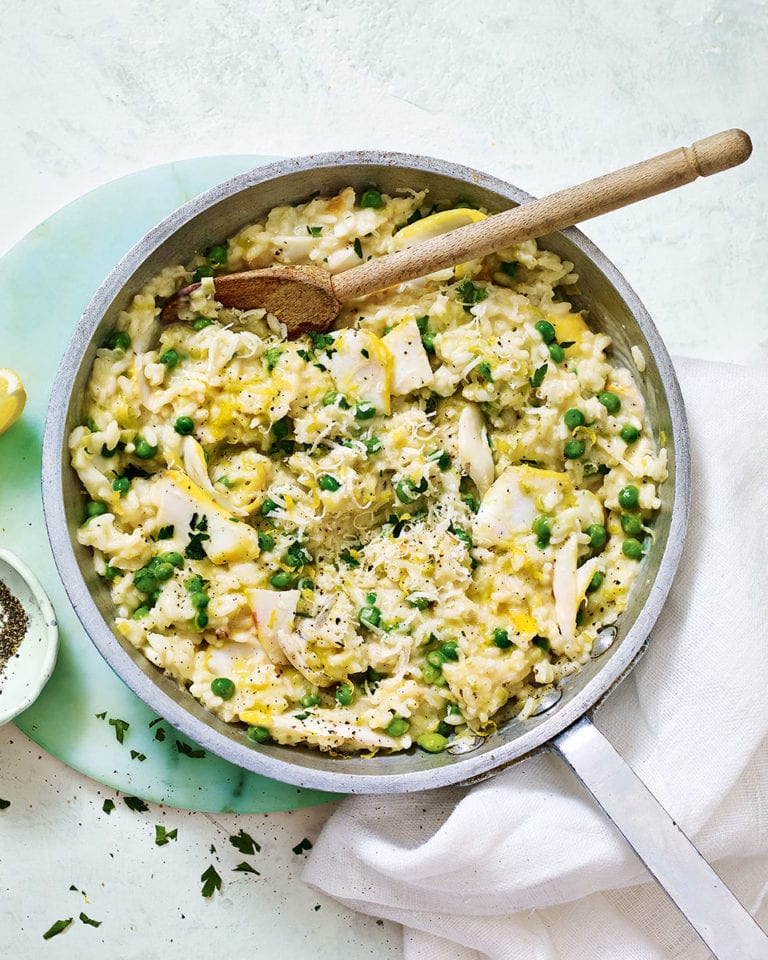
(539, 217)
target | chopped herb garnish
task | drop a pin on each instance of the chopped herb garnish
(314, 231)
(162, 836)
(160, 734)
(135, 804)
(347, 557)
(484, 369)
(57, 928)
(187, 751)
(108, 806)
(211, 881)
(320, 341)
(120, 727)
(245, 843)
(469, 293)
(302, 846)
(4, 804)
(89, 921)
(245, 868)
(358, 247)
(538, 376)
(165, 533)
(272, 356)
(135, 755)
(509, 268)
(101, 716)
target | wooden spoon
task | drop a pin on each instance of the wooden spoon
(308, 298)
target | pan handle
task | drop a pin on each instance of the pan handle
(694, 887)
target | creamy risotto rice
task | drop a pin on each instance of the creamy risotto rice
(379, 536)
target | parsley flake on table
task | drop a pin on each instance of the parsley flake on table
(301, 846)
(89, 921)
(101, 716)
(245, 868)
(211, 881)
(187, 751)
(120, 727)
(245, 843)
(57, 928)
(108, 806)
(135, 804)
(160, 734)
(162, 836)
(4, 804)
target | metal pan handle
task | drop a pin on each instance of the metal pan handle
(694, 887)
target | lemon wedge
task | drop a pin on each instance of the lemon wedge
(433, 226)
(12, 398)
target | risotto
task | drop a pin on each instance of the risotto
(393, 533)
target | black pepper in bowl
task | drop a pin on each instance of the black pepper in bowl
(13, 625)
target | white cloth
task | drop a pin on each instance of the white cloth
(525, 866)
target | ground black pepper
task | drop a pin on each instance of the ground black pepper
(13, 625)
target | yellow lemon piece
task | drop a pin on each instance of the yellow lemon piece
(569, 326)
(12, 398)
(433, 226)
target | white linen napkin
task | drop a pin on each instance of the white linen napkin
(526, 866)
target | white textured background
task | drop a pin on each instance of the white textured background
(540, 94)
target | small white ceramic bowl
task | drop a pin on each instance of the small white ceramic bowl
(28, 670)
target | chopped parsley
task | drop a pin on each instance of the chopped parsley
(120, 728)
(101, 716)
(538, 376)
(4, 804)
(245, 868)
(57, 928)
(160, 734)
(211, 881)
(358, 247)
(135, 755)
(194, 550)
(314, 231)
(301, 846)
(89, 921)
(162, 836)
(469, 293)
(484, 369)
(187, 751)
(165, 533)
(108, 806)
(135, 804)
(272, 356)
(245, 843)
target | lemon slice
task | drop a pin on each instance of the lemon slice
(12, 398)
(433, 226)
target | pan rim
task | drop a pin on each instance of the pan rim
(469, 767)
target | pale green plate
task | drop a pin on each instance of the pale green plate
(45, 283)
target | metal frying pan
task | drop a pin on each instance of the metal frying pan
(562, 723)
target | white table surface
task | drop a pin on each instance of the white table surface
(541, 95)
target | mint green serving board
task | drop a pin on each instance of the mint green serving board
(46, 280)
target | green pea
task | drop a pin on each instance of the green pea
(371, 198)
(139, 613)
(370, 597)
(170, 358)
(631, 523)
(440, 457)
(173, 558)
(501, 639)
(310, 700)
(541, 642)
(344, 694)
(267, 507)
(542, 530)
(629, 497)
(610, 401)
(365, 411)
(258, 734)
(195, 584)
(217, 254)
(121, 485)
(449, 650)
(163, 571)
(184, 426)
(629, 433)
(420, 603)
(574, 418)
(199, 600)
(95, 508)
(281, 579)
(205, 270)
(556, 352)
(369, 616)
(372, 445)
(454, 710)
(223, 687)
(432, 742)
(201, 323)
(574, 449)
(201, 620)
(444, 729)
(398, 726)
(144, 449)
(632, 548)
(330, 398)
(597, 535)
(327, 482)
(428, 341)
(110, 573)
(431, 674)
(435, 659)
(119, 340)
(266, 543)
(406, 491)
(596, 582)
(144, 580)
(546, 330)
